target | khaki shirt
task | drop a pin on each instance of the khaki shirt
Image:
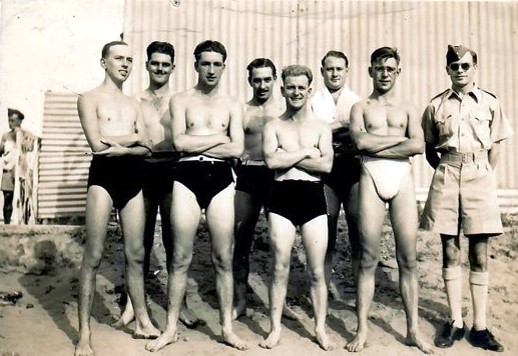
(468, 124)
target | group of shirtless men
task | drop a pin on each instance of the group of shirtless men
(299, 160)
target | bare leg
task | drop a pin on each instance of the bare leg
(370, 222)
(220, 220)
(187, 317)
(282, 236)
(98, 208)
(333, 211)
(185, 217)
(403, 214)
(314, 237)
(247, 211)
(133, 231)
(351, 207)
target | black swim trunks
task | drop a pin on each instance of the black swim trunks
(298, 200)
(121, 177)
(255, 180)
(344, 174)
(159, 174)
(205, 179)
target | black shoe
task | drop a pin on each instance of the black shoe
(449, 335)
(485, 340)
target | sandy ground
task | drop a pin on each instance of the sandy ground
(43, 263)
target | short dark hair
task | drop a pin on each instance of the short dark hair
(160, 47)
(336, 54)
(106, 47)
(18, 113)
(296, 70)
(385, 53)
(261, 63)
(210, 46)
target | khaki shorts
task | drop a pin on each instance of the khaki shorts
(462, 196)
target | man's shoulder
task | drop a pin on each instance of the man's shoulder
(439, 97)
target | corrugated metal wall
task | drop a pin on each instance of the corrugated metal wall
(63, 162)
(303, 31)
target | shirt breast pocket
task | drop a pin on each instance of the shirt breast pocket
(443, 124)
(481, 123)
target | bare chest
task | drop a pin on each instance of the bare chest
(384, 119)
(116, 116)
(209, 116)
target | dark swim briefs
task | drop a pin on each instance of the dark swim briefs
(254, 180)
(344, 174)
(159, 174)
(298, 200)
(205, 179)
(121, 177)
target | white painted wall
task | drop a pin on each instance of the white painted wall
(51, 45)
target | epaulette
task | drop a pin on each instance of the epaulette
(439, 95)
(485, 91)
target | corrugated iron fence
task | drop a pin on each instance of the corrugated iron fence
(303, 31)
(298, 32)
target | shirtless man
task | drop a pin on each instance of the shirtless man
(387, 132)
(208, 129)
(254, 179)
(298, 147)
(159, 167)
(113, 126)
(332, 105)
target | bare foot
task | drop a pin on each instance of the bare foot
(289, 313)
(272, 340)
(418, 342)
(83, 347)
(358, 343)
(163, 340)
(127, 317)
(188, 318)
(324, 341)
(147, 331)
(233, 340)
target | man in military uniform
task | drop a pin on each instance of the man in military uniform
(463, 127)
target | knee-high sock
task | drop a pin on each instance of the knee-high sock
(478, 283)
(453, 282)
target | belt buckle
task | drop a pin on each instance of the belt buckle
(467, 157)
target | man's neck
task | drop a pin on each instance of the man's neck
(259, 102)
(335, 93)
(111, 86)
(462, 90)
(382, 97)
(205, 91)
(158, 90)
(297, 114)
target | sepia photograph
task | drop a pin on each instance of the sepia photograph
(258, 177)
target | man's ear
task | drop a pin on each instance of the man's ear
(102, 62)
(309, 90)
(370, 72)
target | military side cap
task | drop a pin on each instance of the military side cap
(455, 53)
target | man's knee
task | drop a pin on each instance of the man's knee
(222, 261)
(92, 258)
(407, 261)
(478, 261)
(369, 258)
(134, 253)
(451, 255)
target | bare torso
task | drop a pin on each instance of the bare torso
(157, 120)
(116, 113)
(205, 116)
(385, 118)
(292, 136)
(254, 120)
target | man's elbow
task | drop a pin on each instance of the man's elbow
(327, 166)
(419, 147)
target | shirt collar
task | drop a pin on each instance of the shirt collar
(475, 93)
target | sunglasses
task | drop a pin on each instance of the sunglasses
(456, 66)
